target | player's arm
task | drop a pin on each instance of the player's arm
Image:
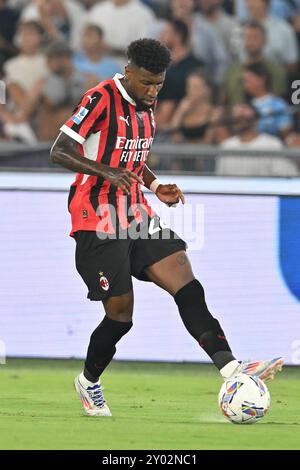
(168, 193)
(65, 153)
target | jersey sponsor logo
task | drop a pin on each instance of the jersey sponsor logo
(136, 150)
(103, 281)
(133, 144)
(124, 119)
(133, 156)
(78, 118)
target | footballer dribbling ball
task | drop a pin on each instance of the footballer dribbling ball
(244, 399)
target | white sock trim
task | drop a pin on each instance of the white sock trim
(85, 382)
(228, 370)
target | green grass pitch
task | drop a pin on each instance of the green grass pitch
(154, 406)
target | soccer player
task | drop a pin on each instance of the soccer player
(107, 141)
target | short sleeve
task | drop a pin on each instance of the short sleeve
(90, 113)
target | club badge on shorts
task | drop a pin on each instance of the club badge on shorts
(103, 281)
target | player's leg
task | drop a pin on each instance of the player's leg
(174, 274)
(116, 323)
(104, 266)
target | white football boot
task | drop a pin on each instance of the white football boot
(265, 370)
(92, 398)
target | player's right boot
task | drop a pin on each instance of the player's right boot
(265, 370)
(92, 398)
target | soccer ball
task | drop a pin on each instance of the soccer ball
(244, 399)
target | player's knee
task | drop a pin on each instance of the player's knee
(123, 313)
(120, 308)
(122, 316)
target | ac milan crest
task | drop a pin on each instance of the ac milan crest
(103, 282)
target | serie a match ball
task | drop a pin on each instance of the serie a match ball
(244, 399)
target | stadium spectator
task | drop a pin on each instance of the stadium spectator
(295, 21)
(122, 21)
(245, 137)
(8, 25)
(275, 118)
(17, 4)
(61, 90)
(205, 41)
(281, 45)
(254, 39)
(159, 7)
(176, 37)
(229, 6)
(61, 19)
(24, 75)
(88, 4)
(94, 60)
(282, 9)
(192, 119)
(292, 140)
(22, 72)
(211, 12)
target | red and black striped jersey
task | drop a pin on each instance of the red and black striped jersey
(109, 129)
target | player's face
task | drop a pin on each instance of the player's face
(144, 86)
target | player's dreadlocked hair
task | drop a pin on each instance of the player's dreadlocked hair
(150, 54)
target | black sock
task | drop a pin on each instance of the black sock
(201, 324)
(222, 358)
(102, 346)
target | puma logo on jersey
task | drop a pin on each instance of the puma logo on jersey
(124, 119)
(90, 98)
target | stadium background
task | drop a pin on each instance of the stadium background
(244, 245)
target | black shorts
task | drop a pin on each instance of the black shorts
(106, 266)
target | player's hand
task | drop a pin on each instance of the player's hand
(169, 194)
(120, 177)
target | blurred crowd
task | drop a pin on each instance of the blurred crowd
(234, 70)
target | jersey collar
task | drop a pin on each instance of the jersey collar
(121, 89)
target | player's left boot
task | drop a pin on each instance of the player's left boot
(92, 399)
(265, 370)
